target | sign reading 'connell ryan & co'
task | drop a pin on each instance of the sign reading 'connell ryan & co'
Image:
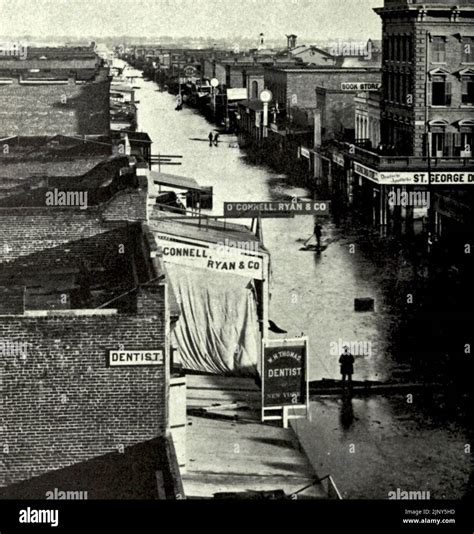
(135, 358)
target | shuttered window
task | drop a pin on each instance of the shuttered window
(441, 91)
(467, 90)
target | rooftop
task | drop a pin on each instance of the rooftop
(322, 68)
(203, 228)
(71, 257)
(63, 261)
(130, 474)
(32, 157)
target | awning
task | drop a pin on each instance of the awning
(172, 180)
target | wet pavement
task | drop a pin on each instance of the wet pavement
(398, 445)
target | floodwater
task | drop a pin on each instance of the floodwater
(372, 445)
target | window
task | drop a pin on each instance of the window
(441, 91)
(468, 50)
(254, 90)
(408, 53)
(467, 90)
(437, 144)
(463, 144)
(438, 53)
(400, 88)
(391, 95)
(408, 93)
(386, 51)
(467, 140)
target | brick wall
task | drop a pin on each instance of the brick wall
(419, 70)
(130, 205)
(62, 404)
(236, 76)
(12, 300)
(51, 229)
(71, 109)
(67, 167)
(303, 83)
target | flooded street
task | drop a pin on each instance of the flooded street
(372, 445)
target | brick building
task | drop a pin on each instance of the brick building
(294, 109)
(77, 284)
(294, 87)
(428, 85)
(426, 122)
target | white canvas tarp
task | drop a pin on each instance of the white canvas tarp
(217, 331)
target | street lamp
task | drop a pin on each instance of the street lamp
(214, 85)
(266, 97)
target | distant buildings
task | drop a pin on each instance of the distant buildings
(54, 91)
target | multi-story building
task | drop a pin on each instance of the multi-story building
(426, 116)
(428, 86)
(295, 104)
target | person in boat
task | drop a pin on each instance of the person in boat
(347, 365)
(211, 137)
(318, 232)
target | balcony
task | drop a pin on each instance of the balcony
(383, 162)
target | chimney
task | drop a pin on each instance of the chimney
(291, 40)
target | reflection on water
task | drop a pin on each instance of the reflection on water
(347, 411)
(396, 444)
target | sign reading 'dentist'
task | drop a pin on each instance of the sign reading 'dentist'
(284, 375)
(135, 358)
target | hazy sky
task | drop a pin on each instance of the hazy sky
(321, 19)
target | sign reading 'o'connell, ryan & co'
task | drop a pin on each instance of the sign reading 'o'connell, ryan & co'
(248, 210)
(135, 358)
(284, 375)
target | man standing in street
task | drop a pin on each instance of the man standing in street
(211, 137)
(347, 365)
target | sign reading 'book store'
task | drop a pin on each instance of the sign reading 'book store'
(135, 358)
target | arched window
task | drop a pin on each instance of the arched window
(254, 95)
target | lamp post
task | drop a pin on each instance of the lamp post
(214, 85)
(266, 97)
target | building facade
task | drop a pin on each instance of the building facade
(426, 121)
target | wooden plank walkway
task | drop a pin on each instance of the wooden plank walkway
(230, 450)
